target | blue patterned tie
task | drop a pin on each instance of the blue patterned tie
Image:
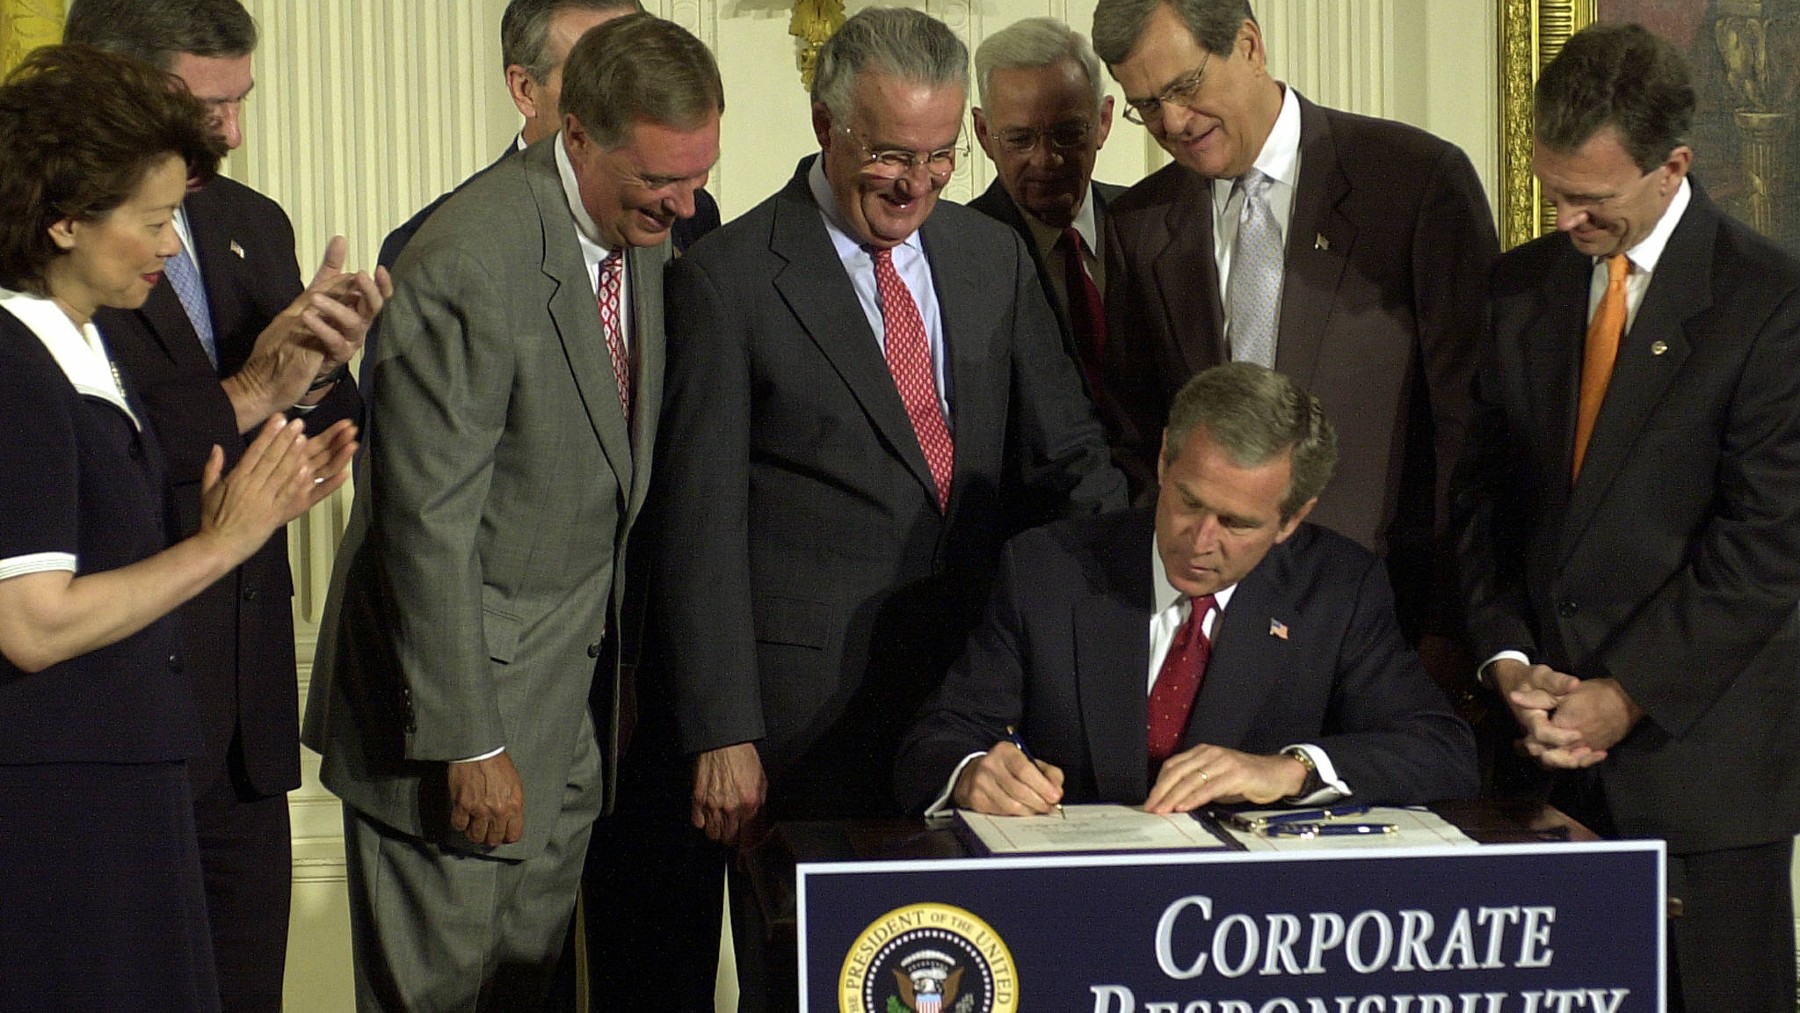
(1254, 296)
(184, 277)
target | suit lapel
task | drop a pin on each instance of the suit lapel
(1186, 262)
(1112, 664)
(1247, 659)
(576, 315)
(162, 313)
(970, 317)
(1651, 354)
(1313, 273)
(816, 289)
(646, 273)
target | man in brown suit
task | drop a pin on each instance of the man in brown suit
(1367, 290)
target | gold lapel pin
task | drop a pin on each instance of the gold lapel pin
(1320, 242)
(239, 250)
(1658, 347)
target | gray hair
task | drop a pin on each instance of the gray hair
(640, 68)
(905, 43)
(1034, 43)
(157, 31)
(525, 30)
(1213, 23)
(1621, 76)
(1255, 415)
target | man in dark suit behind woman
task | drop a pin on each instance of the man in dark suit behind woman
(1629, 512)
(244, 343)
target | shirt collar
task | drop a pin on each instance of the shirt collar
(78, 351)
(592, 249)
(1048, 235)
(1163, 594)
(1279, 158)
(841, 237)
(1649, 250)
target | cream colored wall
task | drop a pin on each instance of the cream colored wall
(365, 111)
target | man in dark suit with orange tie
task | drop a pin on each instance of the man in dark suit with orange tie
(1345, 251)
(1248, 656)
(1629, 511)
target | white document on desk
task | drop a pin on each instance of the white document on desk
(1418, 827)
(1081, 828)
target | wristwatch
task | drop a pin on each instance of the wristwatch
(1313, 781)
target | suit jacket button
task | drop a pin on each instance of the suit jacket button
(174, 662)
(593, 650)
(250, 593)
(1567, 608)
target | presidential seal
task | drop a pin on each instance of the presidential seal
(928, 958)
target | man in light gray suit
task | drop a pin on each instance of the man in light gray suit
(480, 591)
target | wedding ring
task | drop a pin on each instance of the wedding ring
(1204, 776)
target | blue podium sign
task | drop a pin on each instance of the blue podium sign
(1535, 928)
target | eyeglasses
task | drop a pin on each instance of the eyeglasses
(1062, 137)
(892, 163)
(1145, 111)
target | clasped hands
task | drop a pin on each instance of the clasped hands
(319, 332)
(1569, 723)
(1004, 782)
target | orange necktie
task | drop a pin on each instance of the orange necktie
(1602, 350)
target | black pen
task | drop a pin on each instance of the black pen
(1019, 743)
(1330, 829)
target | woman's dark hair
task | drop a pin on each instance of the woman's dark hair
(81, 128)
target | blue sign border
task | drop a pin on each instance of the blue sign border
(1081, 932)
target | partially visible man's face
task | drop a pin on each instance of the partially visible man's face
(538, 101)
(1027, 109)
(636, 191)
(1603, 200)
(222, 82)
(1227, 102)
(882, 206)
(1215, 520)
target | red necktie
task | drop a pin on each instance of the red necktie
(1599, 353)
(1087, 315)
(1172, 698)
(612, 270)
(909, 360)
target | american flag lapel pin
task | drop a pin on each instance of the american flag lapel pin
(239, 250)
(1277, 628)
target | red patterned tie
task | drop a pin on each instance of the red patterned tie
(909, 359)
(1087, 316)
(612, 270)
(1172, 698)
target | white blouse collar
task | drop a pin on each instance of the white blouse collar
(79, 351)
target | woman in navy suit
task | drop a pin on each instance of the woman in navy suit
(99, 870)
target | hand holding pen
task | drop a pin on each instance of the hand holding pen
(1007, 781)
(1012, 736)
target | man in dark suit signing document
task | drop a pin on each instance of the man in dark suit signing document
(1216, 649)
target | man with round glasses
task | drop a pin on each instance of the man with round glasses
(1043, 117)
(853, 368)
(1348, 252)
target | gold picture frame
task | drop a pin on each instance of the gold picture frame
(1745, 60)
(1532, 32)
